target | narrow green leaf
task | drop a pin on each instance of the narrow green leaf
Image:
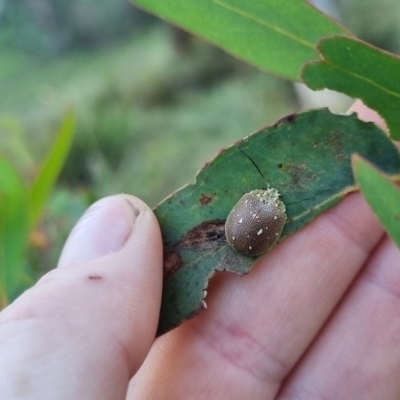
(361, 71)
(14, 145)
(306, 157)
(381, 194)
(51, 168)
(277, 36)
(14, 227)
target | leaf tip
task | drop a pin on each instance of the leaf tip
(357, 162)
(355, 159)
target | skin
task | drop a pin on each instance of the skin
(317, 318)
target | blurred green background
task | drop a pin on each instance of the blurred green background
(152, 103)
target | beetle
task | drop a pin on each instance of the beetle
(256, 222)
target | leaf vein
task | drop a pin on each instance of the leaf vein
(261, 22)
(363, 78)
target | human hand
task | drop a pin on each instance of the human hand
(85, 328)
(318, 317)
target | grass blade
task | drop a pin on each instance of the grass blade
(14, 228)
(51, 168)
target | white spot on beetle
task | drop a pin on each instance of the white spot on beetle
(259, 232)
(241, 220)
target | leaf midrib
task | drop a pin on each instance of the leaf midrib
(360, 77)
(263, 23)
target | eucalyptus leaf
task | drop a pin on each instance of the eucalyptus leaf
(305, 156)
(14, 228)
(361, 71)
(381, 194)
(51, 168)
(277, 36)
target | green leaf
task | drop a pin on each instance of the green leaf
(52, 166)
(361, 71)
(381, 194)
(14, 227)
(14, 145)
(277, 36)
(306, 157)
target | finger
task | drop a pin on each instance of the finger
(358, 354)
(103, 229)
(257, 327)
(86, 327)
(364, 334)
(366, 114)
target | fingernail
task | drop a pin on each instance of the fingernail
(102, 230)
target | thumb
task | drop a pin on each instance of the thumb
(87, 326)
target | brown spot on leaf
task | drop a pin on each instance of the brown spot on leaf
(172, 263)
(206, 164)
(220, 151)
(207, 235)
(238, 142)
(337, 146)
(298, 175)
(288, 118)
(204, 200)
